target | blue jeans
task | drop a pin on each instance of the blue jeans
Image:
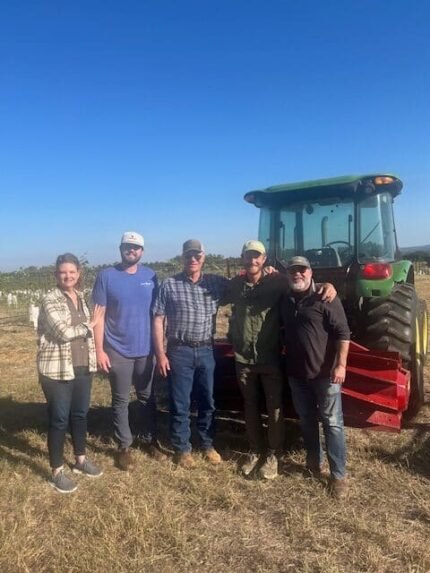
(68, 404)
(320, 399)
(191, 369)
(124, 373)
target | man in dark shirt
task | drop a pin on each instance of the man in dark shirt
(317, 342)
(255, 335)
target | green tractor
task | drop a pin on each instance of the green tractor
(345, 227)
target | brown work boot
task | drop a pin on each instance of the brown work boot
(212, 456)
(154, 451)
(184, 460)
(338, 488)
(124, 460)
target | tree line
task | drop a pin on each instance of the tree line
(42, 278)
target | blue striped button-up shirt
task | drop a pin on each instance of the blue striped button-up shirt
(190, 308)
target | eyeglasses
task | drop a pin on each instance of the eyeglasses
(294, 270)
(196, 256)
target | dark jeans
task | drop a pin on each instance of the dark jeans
(124, 373)
(191, 369)
(68, 403)
(314, 399)
(250, 377)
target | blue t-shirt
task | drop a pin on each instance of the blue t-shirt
(128, 300)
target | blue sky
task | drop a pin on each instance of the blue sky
(157, 116)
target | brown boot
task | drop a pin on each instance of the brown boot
(212, 456)
(184, 459)
(124, 460)
(338, 488)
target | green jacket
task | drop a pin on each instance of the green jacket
(255, 322)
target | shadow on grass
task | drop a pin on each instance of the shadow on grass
(17, 417)
(413, 456)
(17, 451)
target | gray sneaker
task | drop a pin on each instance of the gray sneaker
(62, 483)
(87, 468)
(250, 465)
(269, 470)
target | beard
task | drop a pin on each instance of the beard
(300, 285)
(129, 262)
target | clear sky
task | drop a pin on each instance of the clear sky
(157, 116)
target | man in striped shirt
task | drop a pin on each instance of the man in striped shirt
(188, 302)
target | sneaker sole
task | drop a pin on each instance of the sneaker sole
(62, 490)
(80, 472)
(269, 478)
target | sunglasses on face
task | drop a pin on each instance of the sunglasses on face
(196, 256)
(127, 247)
(294, 270)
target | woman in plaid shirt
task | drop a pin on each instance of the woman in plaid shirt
(65, 361)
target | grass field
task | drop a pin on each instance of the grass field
(163, 519)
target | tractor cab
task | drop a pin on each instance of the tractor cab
(344, 226)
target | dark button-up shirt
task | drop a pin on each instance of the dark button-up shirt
(312, 329)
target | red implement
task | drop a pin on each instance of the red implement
(375, 393)
(376, 389)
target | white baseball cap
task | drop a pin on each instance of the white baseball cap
(132, 238)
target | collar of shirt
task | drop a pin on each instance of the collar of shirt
(183, 276)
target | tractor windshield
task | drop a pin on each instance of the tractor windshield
(331, 232)
(322, 230)
(376, 229)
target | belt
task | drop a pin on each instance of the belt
(190, 343)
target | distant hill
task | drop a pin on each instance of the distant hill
(422, 248)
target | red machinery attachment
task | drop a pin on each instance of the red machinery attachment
(376, 389)
(375, 393)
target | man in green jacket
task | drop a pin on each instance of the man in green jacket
(256, 338)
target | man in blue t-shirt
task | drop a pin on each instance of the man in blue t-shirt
(124, 294)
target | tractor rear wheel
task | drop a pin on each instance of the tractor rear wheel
(423, 314)
(396, 323)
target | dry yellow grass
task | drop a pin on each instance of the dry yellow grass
(162, 519)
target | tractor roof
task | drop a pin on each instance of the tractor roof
(342, 187)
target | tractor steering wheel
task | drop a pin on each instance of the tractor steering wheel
(346, 254)
(339, 242)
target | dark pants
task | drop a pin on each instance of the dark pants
(124, 373)
(191, 369)
(68, 403)
(250, 379)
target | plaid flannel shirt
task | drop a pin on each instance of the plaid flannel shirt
(55, 330)
(190, 308)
